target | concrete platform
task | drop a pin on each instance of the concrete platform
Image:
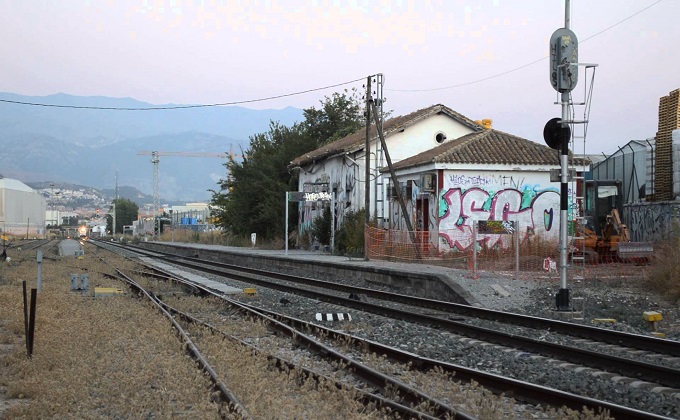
(221, 287)
(424, 280)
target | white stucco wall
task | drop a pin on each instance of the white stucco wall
(346, 174)
(421, 136)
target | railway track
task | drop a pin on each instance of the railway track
(391, 394)
(31, 244)
(647, 372)
(625, 342)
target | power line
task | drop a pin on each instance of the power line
(525, 65)
(157, 108)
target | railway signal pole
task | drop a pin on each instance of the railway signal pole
(563, 77)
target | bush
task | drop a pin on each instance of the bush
(350, 237)
(321, 227)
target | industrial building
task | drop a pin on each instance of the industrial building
(22, 209)
(650, 174)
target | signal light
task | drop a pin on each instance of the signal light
(554, 133)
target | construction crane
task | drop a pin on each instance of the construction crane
(185, 154)
(155, 159)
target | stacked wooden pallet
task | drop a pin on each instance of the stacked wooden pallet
(669, 120)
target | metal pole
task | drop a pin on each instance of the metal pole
(39, 258)
(563, 293)
(517, 249)
(31, 322)
(23, 283)
(367, 172)
(474, 249)
(285, 236)
(332, 224)
(113, 228)
(113, 222)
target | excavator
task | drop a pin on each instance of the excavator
(605, 237)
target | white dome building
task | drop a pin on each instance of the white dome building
(22, 209)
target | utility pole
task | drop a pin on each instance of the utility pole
(367, 172)
(378, 117)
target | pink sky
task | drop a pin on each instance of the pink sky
(216, 51)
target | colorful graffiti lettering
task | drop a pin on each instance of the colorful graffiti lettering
(538, 214)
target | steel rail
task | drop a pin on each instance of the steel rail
(281, 363)
(619, 338)
(225, 394)
(368, 374)
(641, 342)
(524, 391)
(632, 368)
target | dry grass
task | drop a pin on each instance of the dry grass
(106, 357)
(118, 357)
(269, 391)
(664, 274)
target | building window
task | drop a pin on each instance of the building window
(440, 137)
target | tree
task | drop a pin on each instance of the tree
(340, 115)
(126, 212)
(251, 200)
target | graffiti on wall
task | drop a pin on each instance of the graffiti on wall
(536, 211)
(651, 222)
(487, 180)
(343, 182)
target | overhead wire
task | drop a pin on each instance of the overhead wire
(157, 108)
(525, 65)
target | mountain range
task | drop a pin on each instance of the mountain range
(71, 139)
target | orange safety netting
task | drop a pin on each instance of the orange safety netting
(505, 255)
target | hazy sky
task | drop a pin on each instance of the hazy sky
(448, 51)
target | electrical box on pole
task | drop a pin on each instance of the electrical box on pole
(563, 60)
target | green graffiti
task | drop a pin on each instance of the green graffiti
(443, 205)
(487, 204)
(528, 196)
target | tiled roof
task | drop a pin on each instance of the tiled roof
(357, 140)
(488, 147)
